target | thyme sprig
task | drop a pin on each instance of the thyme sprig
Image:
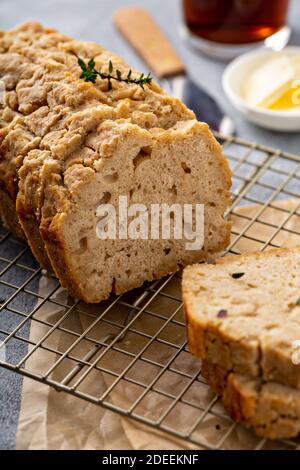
(90, 74)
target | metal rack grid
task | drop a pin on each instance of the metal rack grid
(134, 345)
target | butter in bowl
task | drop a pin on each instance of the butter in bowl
(265, 87)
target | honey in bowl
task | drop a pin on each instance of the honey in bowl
(289, 99)
(275, 83)
(235, 21)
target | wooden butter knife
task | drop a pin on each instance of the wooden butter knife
(141, 31)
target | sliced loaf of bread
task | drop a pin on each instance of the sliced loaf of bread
(271, 409)
(68, 146)
(243, 313)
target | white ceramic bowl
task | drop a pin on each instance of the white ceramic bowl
(234, 77)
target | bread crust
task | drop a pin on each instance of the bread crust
(271, 409)
(9, 216)
(35, 241)
(208, 339)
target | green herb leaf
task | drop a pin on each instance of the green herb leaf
(91, 64)
(237, 275)
(298, 302)
(90, 74)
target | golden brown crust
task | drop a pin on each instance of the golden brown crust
(35, 241)
(28, 204)
(257, 254)
(9, 215)
(215, 375)
(58, 255)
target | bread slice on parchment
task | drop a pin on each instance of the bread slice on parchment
(243, 313)
(270, 408)
(68, 146)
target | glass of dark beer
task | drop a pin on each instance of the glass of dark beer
(225, 28)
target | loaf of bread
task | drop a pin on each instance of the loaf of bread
(271, 409)
(68, 146)
(243, 313)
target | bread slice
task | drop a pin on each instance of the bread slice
(243, 313)
(87, 265)
(9, 216)
(89, 145)
(43, 88)
(271, 409)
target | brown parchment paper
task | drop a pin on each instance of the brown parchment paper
(56, 420)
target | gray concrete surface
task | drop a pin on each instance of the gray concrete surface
(91, 20)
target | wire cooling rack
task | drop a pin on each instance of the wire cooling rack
(129, 354)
